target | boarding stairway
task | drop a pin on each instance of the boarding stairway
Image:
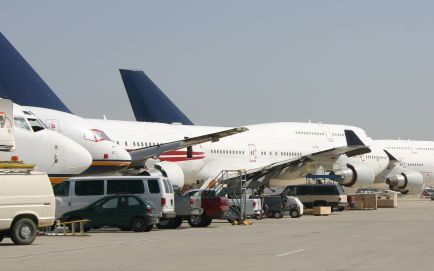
(233, 185)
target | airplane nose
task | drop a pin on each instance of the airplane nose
(77, 158)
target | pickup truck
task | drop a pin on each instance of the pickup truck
(214, 207)
(185, 207)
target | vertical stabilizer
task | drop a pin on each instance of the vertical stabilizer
(149, 103)
(20, 82)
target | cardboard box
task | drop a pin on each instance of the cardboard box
(363, 201)
(321, 210)
(389, 200)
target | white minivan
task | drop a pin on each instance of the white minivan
(26, 204)
(79, 192)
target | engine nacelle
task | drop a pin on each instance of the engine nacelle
(356, 175)
(405, 181)
(167, 169)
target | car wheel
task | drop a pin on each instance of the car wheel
(196, 220)
(206, 222)
(2, 236)
(341, 208)
(166, 223)
(277, 215)
(294, 213)
(23, 231)
(138, 224)
(178, 222)
(149, 228)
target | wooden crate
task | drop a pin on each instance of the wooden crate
(321, 210)
(389, 200)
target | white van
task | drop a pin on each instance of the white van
(78, 192)
(26, 204)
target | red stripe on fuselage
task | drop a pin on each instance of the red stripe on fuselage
(180, 159)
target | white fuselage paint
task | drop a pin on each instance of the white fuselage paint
(262, 145)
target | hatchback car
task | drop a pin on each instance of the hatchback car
(127, 212)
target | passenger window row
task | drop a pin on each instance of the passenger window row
(139, 144)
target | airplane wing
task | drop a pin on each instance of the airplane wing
(140, 155)
(354, 147)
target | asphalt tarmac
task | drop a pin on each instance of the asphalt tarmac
(383, 239)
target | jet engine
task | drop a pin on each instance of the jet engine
(355, 175)
(405, 181)
(166, 169)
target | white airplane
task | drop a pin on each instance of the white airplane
(412, 156)
(50, 151)
(269, 143)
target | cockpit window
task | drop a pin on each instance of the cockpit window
(21, 123)
(96, 135)
(36, 125)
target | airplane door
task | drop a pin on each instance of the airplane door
(328, 134)
(252, 153)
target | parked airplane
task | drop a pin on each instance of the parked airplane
(52, 152)
(146, 97)
(20, 82)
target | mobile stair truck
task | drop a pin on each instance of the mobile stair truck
(26, 197)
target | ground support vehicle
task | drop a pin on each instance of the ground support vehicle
(185, 208)
(214, 207)
(26, 202)
(312, 195)
(253, 208)
(278, 205)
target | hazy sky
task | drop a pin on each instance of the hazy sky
(364, 63)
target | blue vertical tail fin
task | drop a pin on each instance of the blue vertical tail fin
(149, 103)
(20, 82)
